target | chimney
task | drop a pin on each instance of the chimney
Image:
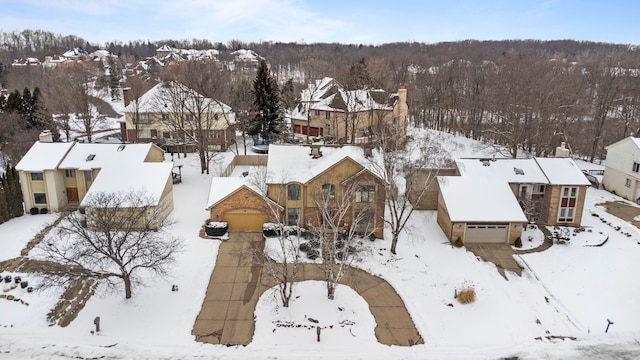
(562, 151)
(46, 136)
(315, 152)
(126, 95)
(4, 92)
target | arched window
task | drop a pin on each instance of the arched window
(293, 192)
(328, 191)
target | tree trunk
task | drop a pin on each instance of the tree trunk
(394, 242)
(331, 290)
(127, 286)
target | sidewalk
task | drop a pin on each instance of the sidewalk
(227, 314)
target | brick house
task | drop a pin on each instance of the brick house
(326, 109)
(166, 115)
(297, 177)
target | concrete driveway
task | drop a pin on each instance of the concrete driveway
(227, 314)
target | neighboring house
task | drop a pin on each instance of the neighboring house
(622, 168)
(326, 109)
(166, 115)
(593, 172)
(492, 199)
(297, 177)
(59, 176)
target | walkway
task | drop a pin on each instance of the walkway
(623, 210)
(227, 314)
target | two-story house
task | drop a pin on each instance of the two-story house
(299, 180)
(622, 168)
(174, 116)
(348, 116)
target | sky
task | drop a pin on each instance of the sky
(370, 22)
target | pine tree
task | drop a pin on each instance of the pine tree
(4, 208)
(268, 120)
(11, 185)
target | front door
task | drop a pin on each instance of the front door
(72, 196)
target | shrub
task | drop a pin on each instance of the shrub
(458, 242)
(467, 292)
(34, 211)
(314, 243)
(44, 211)
(518, 242)
(340, 244)
(305, 247)
(313, 254)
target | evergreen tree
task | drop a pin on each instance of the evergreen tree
(4, 208)
(268, 120)
(11, 185)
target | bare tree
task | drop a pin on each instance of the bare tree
(341, 225)
(85, 103)
(281, 258)
(405, 167)
(121, 235)
(136, 87)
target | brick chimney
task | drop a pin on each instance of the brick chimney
(401, 109)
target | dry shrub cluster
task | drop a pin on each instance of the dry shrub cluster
(467, 292)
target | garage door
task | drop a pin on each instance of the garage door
(483, 233)
(247, 220)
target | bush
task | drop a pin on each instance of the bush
(518, 242)
(467, 292)
(44, 211)
(458, 242)
(305, 247)
(314, 243)
(313, 254)
(340, 244)
(34, 211)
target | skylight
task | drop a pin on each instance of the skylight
(91, 157)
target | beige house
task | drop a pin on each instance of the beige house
(297, 177)
(491, 199)
(326, 109)
(59, 176)
(170, 114)
(622, 168)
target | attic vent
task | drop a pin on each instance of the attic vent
(518, 171)
(121, 147)
(91, 157)
(485, 162)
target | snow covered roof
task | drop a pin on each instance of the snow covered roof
(293, 163)
(589, 167)
(221, 187)
(350, 101)
(471, 199)
(149, 178)
(75, 52)
(246, 55)
(157, 99)
(562, 171)
(44, 156)
(635, 140)
(517, 171)
(98, 156)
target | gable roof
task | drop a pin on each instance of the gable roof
(80, 157)
(562, 171)
(293, 163)
(517, 171)
(470, 199)
(158, 99)
(44, 156)
(634, 140)
(223, 187)
(149, 178)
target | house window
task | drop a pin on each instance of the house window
(214, 147)
(327, 115)
(364, 218)
(188, 117)
(568, 202)
(164, 117)
(636, 167)
(317, 112)
(327, 130)
(144, 133)
(538, 188)
(523, 191)
(88, 176)
(166, 135)
(293, 216)
(293, 192)
(70, 173)
(215, 134)
(37, 176)
(627, 183)
(40, 198)
(366, 193)
(328, 191)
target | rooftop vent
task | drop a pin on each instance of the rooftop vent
(91, 157)
(121, 147)
(518, 171)
(485, 162)
(315, 152)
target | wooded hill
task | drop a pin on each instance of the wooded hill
(527, 95)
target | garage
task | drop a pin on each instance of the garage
(246, 220)
(486, 233)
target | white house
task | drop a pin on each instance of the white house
(622, 168)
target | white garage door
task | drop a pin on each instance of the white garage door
(485, 233)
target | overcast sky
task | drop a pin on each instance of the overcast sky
(344, 21)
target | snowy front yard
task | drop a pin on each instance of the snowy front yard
(567, 291)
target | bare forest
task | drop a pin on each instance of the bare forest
(526, 96)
